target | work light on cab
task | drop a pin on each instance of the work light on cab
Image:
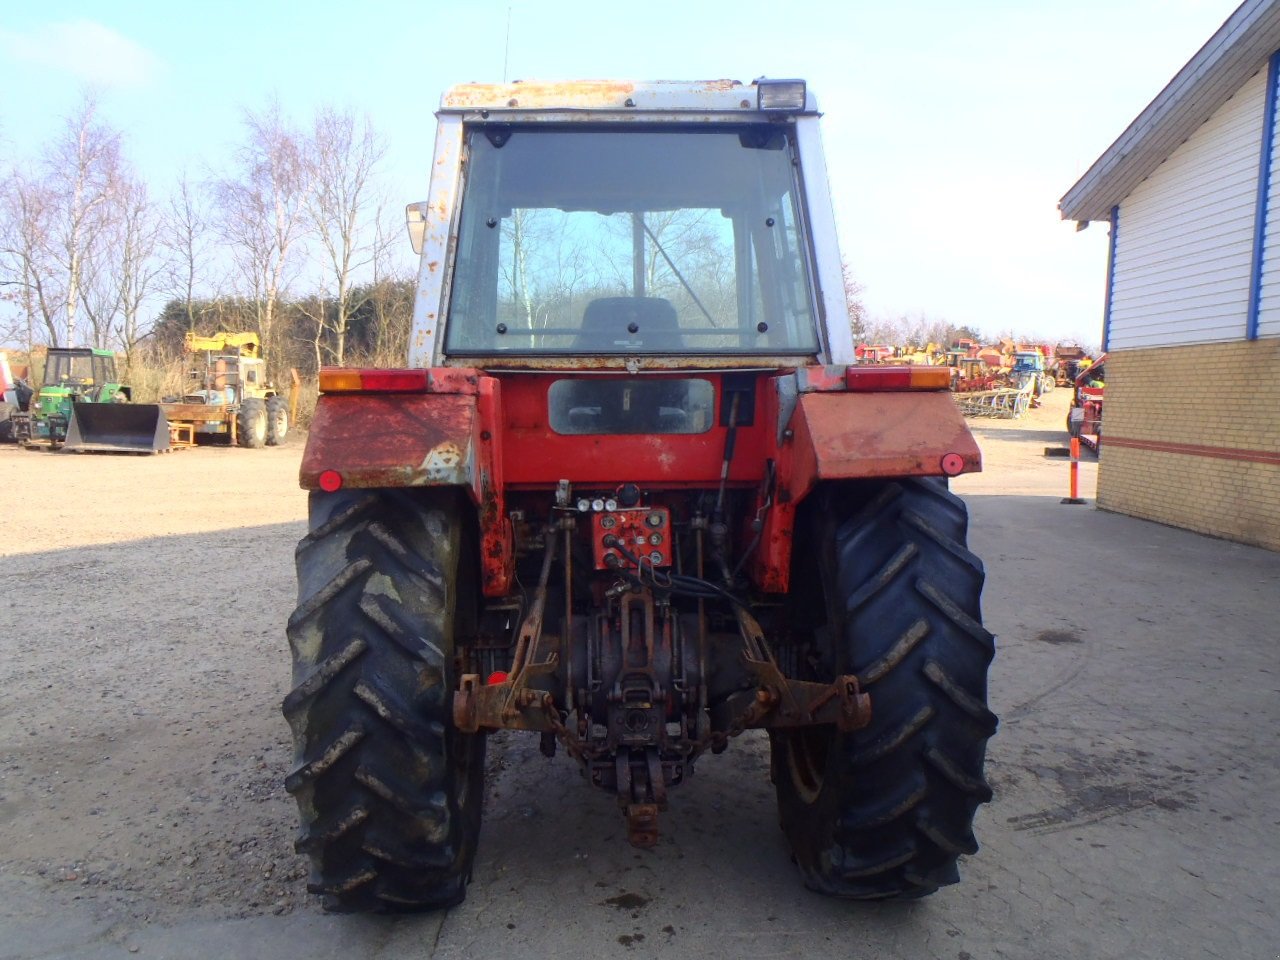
(780, 94)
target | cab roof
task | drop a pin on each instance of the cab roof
(657, 96)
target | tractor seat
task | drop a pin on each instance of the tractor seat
(608, 321)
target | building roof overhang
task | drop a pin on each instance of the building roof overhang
(1231, 56)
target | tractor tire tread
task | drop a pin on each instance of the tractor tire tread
(251, 423)
(896, 807)
(388, 793)
(277, 420)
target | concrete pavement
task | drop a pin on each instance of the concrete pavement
(1136, 811)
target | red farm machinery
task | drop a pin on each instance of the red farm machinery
(632, 494)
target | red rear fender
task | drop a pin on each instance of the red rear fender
(379, 440)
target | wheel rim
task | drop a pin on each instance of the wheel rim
(807, 754)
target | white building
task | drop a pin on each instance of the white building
(1191, 190)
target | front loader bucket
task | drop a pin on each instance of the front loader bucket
(117, 428)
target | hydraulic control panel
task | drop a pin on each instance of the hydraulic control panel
(626, 535)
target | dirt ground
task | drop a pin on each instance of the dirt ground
(142, 611)
(142, 750)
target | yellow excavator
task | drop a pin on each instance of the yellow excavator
(228, 395)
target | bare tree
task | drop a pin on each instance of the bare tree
(83, 172)
(262, 213)
(344, 152)
(853, 291)
(120, 270)
(28, 265)
(99, 292)
(184, 239)
(884, 329)
(137, 264)
(390, 334)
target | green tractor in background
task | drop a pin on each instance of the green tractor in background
(71, 375)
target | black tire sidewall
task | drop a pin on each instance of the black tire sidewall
(837, 836)
(251, 423)
(277, 421)
(430, 527)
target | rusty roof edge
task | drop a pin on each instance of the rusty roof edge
(1175, 113)
(603, 94)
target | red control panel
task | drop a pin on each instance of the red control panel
(643, 531)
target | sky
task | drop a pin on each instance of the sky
(951, 130)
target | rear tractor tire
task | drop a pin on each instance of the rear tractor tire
(887, 811)
(388, 791)
(277, 421)
(251, 423)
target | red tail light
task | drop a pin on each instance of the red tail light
(873, 378)
(351, 380)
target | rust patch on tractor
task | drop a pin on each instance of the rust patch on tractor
(575, 93)
(819, 378)
(389, 440)
(465, 380)
(445, 464)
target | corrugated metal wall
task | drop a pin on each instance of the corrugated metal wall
(1185, 236)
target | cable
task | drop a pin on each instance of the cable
(675, 583)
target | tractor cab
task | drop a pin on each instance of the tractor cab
(590, 240)
(72, 375)
(83, 372)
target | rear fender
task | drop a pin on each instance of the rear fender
(406, 440)
(830, 435)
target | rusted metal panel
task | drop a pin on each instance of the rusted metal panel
(438, 238)
(841, 436)
(601, 95)
(501, 706)
(461, 380)
(197, 412)
(497, 540)
(770, 565)
(820, 378)
(393, 440)
(845, 436)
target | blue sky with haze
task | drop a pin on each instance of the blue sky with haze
(951, 129)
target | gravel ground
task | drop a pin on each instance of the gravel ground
(142, 656)
(142, 601)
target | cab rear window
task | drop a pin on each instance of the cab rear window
(631, 406)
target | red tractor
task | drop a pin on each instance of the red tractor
(631, 493)
(1084, 418)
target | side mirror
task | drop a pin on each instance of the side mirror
(415, 219)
